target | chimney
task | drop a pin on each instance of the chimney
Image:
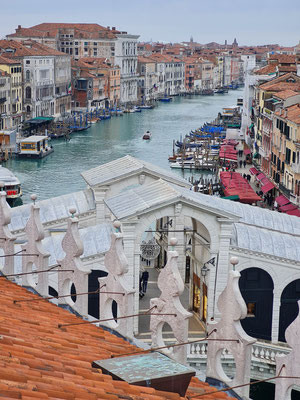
(285, 113)
(108, 27)
(18, 28)
(113, 28)
(298, 69)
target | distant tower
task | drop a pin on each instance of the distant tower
(226, 43)
(191, 39)
(235, 43)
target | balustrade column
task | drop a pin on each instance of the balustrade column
(219, 274)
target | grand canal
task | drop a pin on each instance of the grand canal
(59, 173)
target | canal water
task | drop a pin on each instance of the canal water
(59, 173)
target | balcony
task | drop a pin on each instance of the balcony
(2, 100)
(284, 190)
(296, 168)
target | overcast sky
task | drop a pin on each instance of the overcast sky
(251, 22)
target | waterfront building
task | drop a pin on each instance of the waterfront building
(46, 77)
(264, 109)
(14, 103)
(170, 74)
(189, 74)
(91, 40)
(96, 84)
(148, 79)
(285, 166)
(226, 70)
(5, 115)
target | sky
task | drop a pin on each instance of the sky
(254, 22)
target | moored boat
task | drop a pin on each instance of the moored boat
(34, 147)
(11, 185)
(165, 99)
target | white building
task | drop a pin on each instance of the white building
(126, 58)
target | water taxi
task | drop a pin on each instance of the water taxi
(10, 184)
(34, 147)
(147, 135)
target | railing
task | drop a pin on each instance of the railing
(284, 190)
(263, 359)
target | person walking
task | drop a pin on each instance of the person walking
(244, 162)
(145, 277)
(241, 163)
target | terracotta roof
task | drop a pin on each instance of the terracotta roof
(284, 82)
(283, 58)
(6, 60)
(268, 69)
(40, 361)
(287, 68)
(143, 59)
(53, 29)
(28, 48)
(292, 114)
(285, 94)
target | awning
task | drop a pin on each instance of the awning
(247, 151)
(267, 187)
(234, 197)
(288, 207)
(254, 171)
(294, 212)
(282, 200)
(260, 176)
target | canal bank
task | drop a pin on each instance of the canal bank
(59, 173)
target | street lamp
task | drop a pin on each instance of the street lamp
(204, 270)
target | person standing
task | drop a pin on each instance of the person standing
(145, 277)
(244, 163)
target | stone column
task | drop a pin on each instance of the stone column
(178, 225)
(132, 253)
(102, 212)
(6, 238)
(289, 365)
(221, 269)
(276, 313)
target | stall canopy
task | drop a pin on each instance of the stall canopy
(288, 207)
(260, 176)
(294, 212)
(281, 200)
(235, 185)
(247, 151)
(253, 171)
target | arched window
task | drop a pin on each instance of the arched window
(28, 75)
(28, 92)
(288, 307)
(256, 286)
(28, 109)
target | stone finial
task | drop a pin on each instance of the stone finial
(171, 286)
(289, 365)
(34, 257)
(6, 238)
(117, 266)
(232, 308)
(73, 248)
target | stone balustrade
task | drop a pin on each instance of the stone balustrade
(262, 361)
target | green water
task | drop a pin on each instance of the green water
(59, 173)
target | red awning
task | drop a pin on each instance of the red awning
(294, 212)
(282, 200)
(260, 176)
(288, 207)
(247, 151)
(253, 171)
(267, 187)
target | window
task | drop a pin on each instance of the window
(27, 75)
(251, 309)
(27, 62)
(76, 43)
(76, 51)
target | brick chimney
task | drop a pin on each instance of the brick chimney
(113, 28)
(18, 28)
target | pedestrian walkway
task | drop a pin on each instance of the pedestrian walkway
(196, 328)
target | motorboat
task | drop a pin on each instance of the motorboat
(34, 147)
(147, 135)
(10, 184)
(165, 99)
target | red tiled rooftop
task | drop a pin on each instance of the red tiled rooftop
(38, 360)
(291, 113)
(28, 48)
(285, 94)
(268, 69)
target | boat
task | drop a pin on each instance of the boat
(137, 109)
(144, 107)
(34, 147)
(11, 185)
(147, 136)
(165, 99)
(219, 91)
